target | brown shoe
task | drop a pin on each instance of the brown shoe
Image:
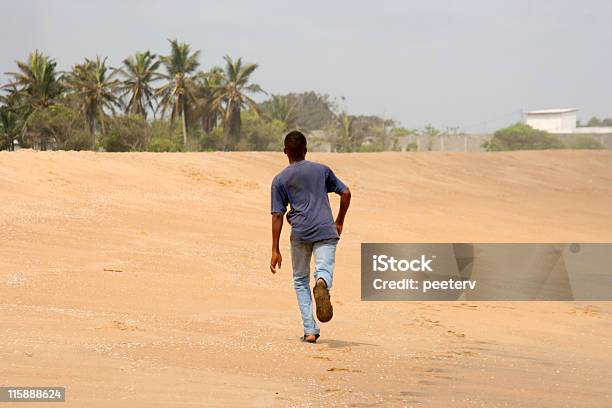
(310, 338)
(325, 311)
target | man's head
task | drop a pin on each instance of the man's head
(295, 145)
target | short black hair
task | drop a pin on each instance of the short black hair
(295, 143)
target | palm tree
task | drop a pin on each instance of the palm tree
(345, 142)
(94, 88)
(139, 71)
(36, 84)
(280, 108)
(206, 90)
(9, 127)
(179, 65)
(430, 133)
(234, 87)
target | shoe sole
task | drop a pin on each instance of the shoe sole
(325, 311)
(303, 338)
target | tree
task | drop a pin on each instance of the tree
(9, 128)
(430, 133)
(594, 121)
(206, 90)
(233, 94)
(281, 108)
(58, 126)
(33, 87)
(345, 137)
(373, 133)
(139, 72)
(93, 88)
(179, 64)
(259, 134)
(165, 136)
(126, 133)
(309, 110)
(522, 137)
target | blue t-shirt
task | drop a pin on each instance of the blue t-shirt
(304, 185)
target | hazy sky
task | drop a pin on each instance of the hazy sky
(473, 64)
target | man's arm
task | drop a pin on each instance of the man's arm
(277, 227)
(345, 201)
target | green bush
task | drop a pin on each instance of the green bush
(521, 137)
(212, 141)
(374, 146)
(412, 147)
(126, 133)
(260, 134)
(165, 136)
(158, 144)
(59, 127)
(586, 142)
(77, 139)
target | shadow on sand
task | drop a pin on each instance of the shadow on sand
(342, 343)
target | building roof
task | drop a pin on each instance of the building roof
(551, 111)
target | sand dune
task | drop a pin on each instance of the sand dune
(142, 280)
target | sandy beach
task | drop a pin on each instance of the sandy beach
(142, 280)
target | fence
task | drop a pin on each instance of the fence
(473, 142)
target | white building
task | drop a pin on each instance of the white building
(561, 121)
(553, 120)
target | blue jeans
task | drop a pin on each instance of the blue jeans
(325, 257)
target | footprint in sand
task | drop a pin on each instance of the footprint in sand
(321, 358)
(466, 306)
(455, 333)
(461, 353)
(411, 394)
(432, 370)
(348, 370)
(585, 311)
(432, 322)
(444, 377)
(119, 325)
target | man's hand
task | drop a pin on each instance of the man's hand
(276, 259)
(277, 226)
(345, 201)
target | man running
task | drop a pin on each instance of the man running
(305, 185)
